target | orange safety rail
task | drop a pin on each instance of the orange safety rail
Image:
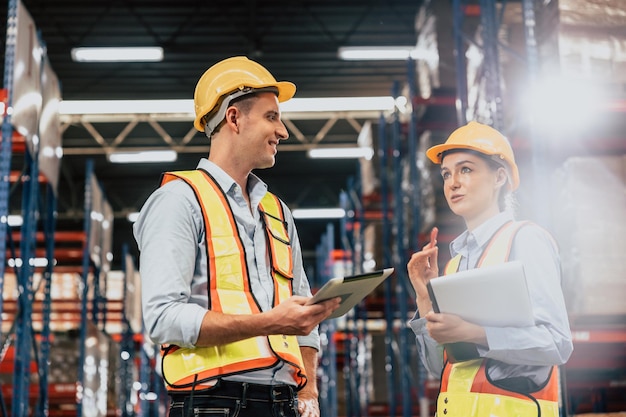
(16, 176)
(18, 143)
(59, 236)
(6, 366)
(60, 254)
(472, 10)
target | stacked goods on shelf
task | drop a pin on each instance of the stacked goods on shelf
(591, 228)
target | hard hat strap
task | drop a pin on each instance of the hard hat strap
(217, 118)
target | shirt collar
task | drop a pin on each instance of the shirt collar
(256, 187)
(482, 234)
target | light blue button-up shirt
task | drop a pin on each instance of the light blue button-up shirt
(170, 234)
(517, 351)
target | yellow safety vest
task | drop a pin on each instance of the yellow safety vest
(466, 389)
(230, 292)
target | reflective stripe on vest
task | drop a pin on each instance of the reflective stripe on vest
(465, 386)
(230, 292)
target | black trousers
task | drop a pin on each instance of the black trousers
(232, 399)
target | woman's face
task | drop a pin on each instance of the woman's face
(471, 186)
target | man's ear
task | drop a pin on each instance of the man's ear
(231, 119)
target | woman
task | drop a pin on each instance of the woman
(510, 371)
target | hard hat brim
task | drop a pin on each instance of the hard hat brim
(435, 153)
(286, 90)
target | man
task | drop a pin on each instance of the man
(223, 286)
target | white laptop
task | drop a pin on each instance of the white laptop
(490, 296)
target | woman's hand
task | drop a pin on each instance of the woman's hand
(422, 267)
(450, 328)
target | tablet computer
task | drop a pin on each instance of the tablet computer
(494, 295)
(352, 289)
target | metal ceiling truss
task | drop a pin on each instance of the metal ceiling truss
(97, 144)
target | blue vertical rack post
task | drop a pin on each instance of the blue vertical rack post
(80, 381)
(400, 260)
(25, 337)
(390, 357)
(24, 330)
(538, 145)
(492, 61)
(127, 348)
(415, 208)
(352, 242)
(7, 135)
(459, 58)
(491, 64)
(44, 355)
(328, 360)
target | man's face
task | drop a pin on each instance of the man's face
(261, 130)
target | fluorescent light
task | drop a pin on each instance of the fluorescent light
(15, 220)
(319, 213)
(336, 153)
(385, 53)
(71, 107)
(114, 54)
(334, 104)
(141, 157)
(186, 107)
(376, 53)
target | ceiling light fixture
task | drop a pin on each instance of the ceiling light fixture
(375, 53)
(338, 153)
(337, 104)
(142, 157)
(186, 107)
(72, 107)
(318, 213)
(384, 53)
(114, 54)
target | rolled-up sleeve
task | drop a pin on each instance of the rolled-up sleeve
(430, 352)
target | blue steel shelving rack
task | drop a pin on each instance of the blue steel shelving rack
(24, 338)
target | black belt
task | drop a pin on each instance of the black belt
(243, 391)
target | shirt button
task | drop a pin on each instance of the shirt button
(445, 411)
(445, 400)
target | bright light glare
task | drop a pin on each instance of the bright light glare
(15, 220)
(132, 217)
(36, 262)
(319, 213)
(143, 156)
(563, 105)
(338, 153)
(114, 54)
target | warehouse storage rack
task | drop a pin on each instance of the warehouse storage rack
(55, 338)
(23, 133)
(594, 378)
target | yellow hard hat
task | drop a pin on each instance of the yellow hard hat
(480, 138)
(238, 75)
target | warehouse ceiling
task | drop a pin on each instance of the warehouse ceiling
(296, 40)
